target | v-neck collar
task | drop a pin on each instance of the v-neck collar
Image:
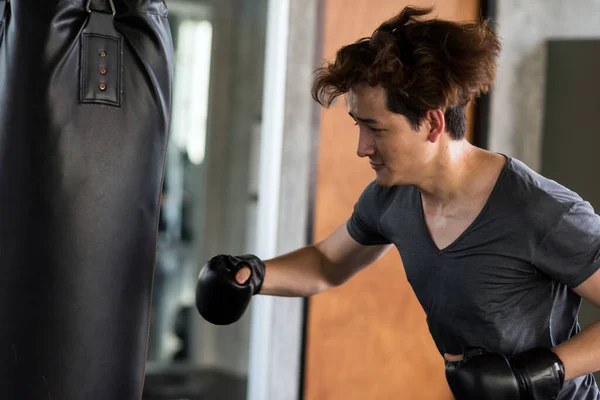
(472, 224)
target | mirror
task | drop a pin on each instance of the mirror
(209, 194)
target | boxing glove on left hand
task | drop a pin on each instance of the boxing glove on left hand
(536, 374)
(219, 298)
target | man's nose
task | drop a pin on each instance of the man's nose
(366, 144)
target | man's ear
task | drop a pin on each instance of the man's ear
(437, 124)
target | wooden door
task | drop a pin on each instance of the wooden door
(367, 339)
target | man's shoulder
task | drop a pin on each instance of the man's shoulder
(529, 187)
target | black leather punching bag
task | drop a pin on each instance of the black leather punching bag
(85, 98)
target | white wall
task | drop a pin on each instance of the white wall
(518, 96)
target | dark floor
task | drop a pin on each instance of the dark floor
(193, 385)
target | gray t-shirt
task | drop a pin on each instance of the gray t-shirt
(505, 283)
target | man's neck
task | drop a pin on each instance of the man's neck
(455, 174)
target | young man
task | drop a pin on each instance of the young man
(498, 256)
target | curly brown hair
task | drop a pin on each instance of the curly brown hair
(422, 64)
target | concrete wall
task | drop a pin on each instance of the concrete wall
(518, 96)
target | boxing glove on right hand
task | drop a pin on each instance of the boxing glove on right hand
(482, 376)
(536, 374)
(219, 298)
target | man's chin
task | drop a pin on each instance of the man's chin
(383, 180)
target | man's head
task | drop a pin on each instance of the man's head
(407, 87)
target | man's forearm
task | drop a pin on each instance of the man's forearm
(296, 274)
(581, 353)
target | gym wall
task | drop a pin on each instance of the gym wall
(517, 100)
(367, 339)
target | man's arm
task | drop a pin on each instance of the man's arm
(227, 283)
(570, 253)
(581, 353)
(315, 268)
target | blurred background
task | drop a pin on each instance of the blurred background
(255, 166)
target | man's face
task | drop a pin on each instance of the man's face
(395, 150)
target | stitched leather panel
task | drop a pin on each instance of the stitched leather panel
(101, 59)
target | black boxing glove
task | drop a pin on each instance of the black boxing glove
(219, 298)
(536, 374)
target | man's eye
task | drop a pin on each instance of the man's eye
(374, 130)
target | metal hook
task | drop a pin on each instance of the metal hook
(112, 6)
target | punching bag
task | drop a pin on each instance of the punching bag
(85, 103)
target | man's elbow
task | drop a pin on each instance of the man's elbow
(332, 276)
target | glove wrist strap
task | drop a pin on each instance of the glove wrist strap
(540, 371)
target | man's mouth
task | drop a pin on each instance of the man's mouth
(375, 165)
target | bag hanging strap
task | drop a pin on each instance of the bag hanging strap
(89, 5)
(101, 56)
